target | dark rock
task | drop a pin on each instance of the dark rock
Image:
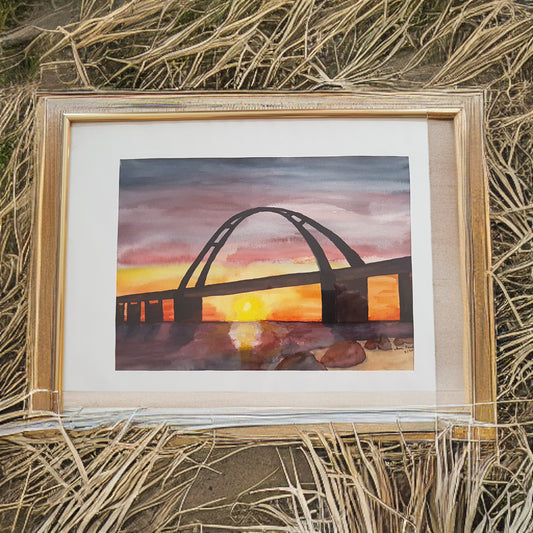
(399, 341)
(371, 344)
(300, 361)
(344, 354)
(383, 343)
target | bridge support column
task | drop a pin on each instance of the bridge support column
(329, 304)
(153, 311)
(405, 289)
(133, 312)
(352, 301)
(187, 309)
(120, 314)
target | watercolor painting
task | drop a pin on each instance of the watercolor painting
(264, 263)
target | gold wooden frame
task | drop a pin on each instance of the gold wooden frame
(57, 112)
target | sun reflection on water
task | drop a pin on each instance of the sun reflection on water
(245, 335)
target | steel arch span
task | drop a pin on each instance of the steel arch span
(187, 309)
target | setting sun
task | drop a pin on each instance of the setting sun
(286, 304)
(247, 308)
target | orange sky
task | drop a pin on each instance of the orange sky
(383, 298)
(285, 304)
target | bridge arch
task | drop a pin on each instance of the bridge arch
(299, 221)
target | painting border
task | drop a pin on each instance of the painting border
(57, 112)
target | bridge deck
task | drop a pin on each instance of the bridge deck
(400, 265)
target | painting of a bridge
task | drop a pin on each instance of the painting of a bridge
(296, 263)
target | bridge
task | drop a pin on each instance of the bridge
(344, 291)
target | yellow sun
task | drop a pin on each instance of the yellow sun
(247, 308)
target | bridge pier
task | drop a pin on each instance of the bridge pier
(133, 312)
(120, 318)
(329, 307)
(153, 311)
(405, 289)
(187, 309)
(351, 301)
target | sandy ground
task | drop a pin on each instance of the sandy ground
(398, 358)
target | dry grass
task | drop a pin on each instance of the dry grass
(137, 479)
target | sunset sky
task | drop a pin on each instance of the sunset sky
(169, 208)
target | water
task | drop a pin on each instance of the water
(241, 345)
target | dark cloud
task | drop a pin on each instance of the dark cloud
(321, 173)
(169, 208)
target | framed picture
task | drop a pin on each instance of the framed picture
(268, 251)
